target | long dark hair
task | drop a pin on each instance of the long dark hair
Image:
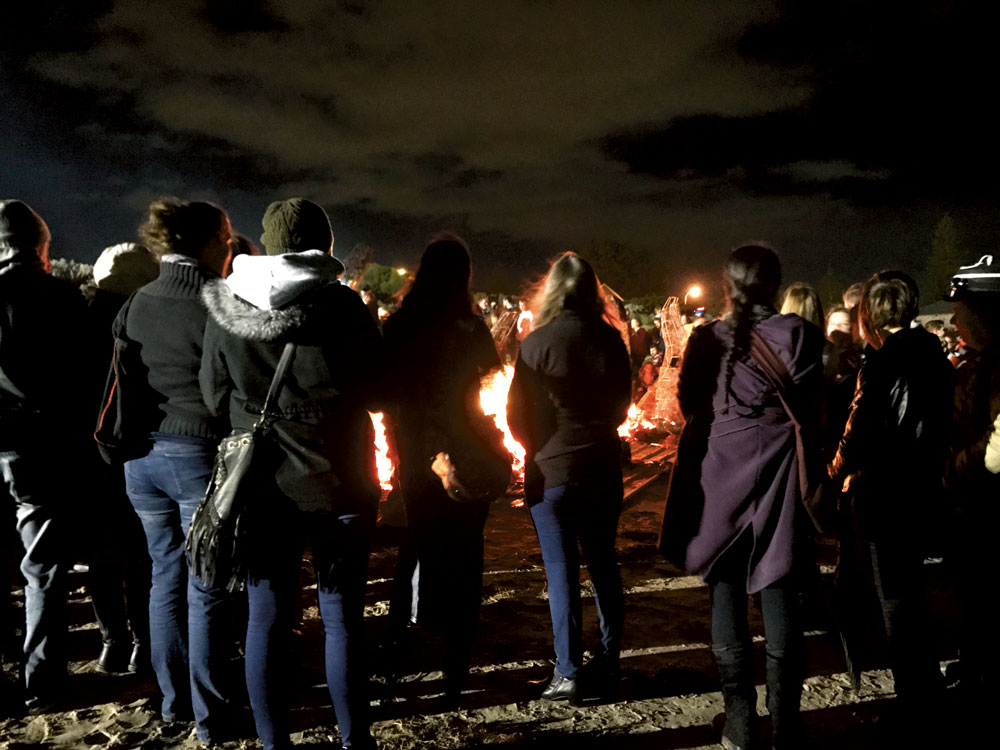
(752, 275)
(440, 288)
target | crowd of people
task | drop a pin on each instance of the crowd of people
(179, 344)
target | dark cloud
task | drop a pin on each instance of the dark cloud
(242, 16)
(680, 128)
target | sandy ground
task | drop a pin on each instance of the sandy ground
(669, 694)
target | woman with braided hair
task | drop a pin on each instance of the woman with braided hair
(734, 513)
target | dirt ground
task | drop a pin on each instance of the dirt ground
(669, 695)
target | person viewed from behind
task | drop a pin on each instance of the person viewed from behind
(159, 336)
(734, 513)
(801, 299)
(571, 390)
(892, 456)
(41, 410)
(115, 546)
(972, 480)
(322, 458)
(443, 349)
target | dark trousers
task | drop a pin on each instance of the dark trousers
(897, 567)
(733, 648)
(441, 565)
(340, 548)
(190, 646)
(114, 546)
(584, 514)
(731, 631)
(31, 496)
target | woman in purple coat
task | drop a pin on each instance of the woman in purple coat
(734, 510)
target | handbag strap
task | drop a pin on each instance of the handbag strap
(275, 388)
(779, 376)
(775, 370)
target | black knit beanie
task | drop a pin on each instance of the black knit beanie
(295, 225)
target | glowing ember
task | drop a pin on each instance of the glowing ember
(382, 461)
(634, 421)
(493, 399)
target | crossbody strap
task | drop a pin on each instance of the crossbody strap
(777, 372)
(276, 384)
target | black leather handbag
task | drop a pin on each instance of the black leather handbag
(214, 540)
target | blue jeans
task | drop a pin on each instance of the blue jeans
(27, 481)
(188, 639)
(587, 514)
(340, 548)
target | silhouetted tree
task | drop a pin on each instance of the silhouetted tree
(384, 281)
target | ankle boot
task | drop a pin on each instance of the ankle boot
(784, 693)
(736, 671)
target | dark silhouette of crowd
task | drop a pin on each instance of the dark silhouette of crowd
(861, 412)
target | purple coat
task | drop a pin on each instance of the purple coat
(736, 462)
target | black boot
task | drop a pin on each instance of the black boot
(114, 658)
(784, 693)
(736, 670)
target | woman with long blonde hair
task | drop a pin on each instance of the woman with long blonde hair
(570, 392)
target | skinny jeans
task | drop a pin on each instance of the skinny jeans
(340, 549)
(190, 646)
(569, 518)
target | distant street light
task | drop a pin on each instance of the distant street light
(401, 271)
(694, 292)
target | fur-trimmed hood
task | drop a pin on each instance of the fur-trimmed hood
(245, 321)
(261, 299)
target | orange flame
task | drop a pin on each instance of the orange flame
(493, 399)
(382, 461)
(634, 421)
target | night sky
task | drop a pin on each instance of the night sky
(840, 132)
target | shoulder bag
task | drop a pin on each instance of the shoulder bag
(213, 540)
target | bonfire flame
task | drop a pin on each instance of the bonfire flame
(493, 399)
(382, 461)
(633, 422)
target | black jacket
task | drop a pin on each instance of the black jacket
(895, 442)
(570, 391)
(434, 387)
(324, 459)
(42, 342)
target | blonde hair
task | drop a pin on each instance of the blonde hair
(570, 284)
(802, 300)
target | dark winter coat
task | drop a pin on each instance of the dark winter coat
(736, 466)
(434, 385)
(570, 391)
(895, 442)
(324, 445)
(42, 343)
